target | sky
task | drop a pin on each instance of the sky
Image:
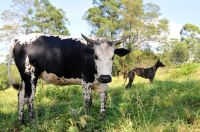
(178, 12)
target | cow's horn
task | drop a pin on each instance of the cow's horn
(119, 41)
(88, 40)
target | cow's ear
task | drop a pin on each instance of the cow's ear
(87, 51)
(121, 52)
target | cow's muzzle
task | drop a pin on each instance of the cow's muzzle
(105, 78)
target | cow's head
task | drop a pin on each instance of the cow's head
(104, 52)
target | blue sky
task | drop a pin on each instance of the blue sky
(178, 12)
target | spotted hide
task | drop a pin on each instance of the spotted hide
(63, 61)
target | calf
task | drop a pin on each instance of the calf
(62, 60)
(147, 73)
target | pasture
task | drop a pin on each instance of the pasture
(170, 104)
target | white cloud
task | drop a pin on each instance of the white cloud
(175, 29)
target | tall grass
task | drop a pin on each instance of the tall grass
(170, 104)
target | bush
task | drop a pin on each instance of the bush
(189, 68)
(4, 80)
(3, 77)
(184, 70)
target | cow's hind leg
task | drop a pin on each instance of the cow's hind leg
(26, 95)
(87, 96)
(21, 102)
(103, 98)
(30, 78)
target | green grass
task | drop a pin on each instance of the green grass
(170, 104)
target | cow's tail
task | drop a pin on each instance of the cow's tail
(15, 85)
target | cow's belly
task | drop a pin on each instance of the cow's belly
(54, 79)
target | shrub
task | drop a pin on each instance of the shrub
(184, 70)
(189, 68)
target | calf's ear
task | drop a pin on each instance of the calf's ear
(87, 51)
(121, 52)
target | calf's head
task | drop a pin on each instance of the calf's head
(103, 52)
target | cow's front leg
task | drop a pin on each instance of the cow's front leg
(87, 96)
(103, 98)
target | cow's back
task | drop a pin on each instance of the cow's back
(57, 58)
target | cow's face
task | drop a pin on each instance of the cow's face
(104, 52)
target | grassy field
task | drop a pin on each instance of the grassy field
(170, 104)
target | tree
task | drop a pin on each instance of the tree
(28, 16)
(179, 51)
(141, 22)
(14, 19)
(104, 18)
(190, 34)
(49, 20)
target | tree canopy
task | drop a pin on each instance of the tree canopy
(117, 18)
(28, 16)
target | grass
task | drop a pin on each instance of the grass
(170, 104)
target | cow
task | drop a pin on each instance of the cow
(147, 73)
(62, 60)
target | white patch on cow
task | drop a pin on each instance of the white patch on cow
(103, 98)
(30, 38)
(102, 87)
(104, 62)
(87, 91)
(99, 87)
(29, 69)
(54, 79)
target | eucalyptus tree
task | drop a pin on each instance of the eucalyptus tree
(16, 19)
(28, 16)
(179, 52)
(142, 22)
(48, 19)
(190, 34)
(104, 18)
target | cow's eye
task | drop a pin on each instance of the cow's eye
(110, 43)
(95, 57)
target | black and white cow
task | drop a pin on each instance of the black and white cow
(63, 61)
